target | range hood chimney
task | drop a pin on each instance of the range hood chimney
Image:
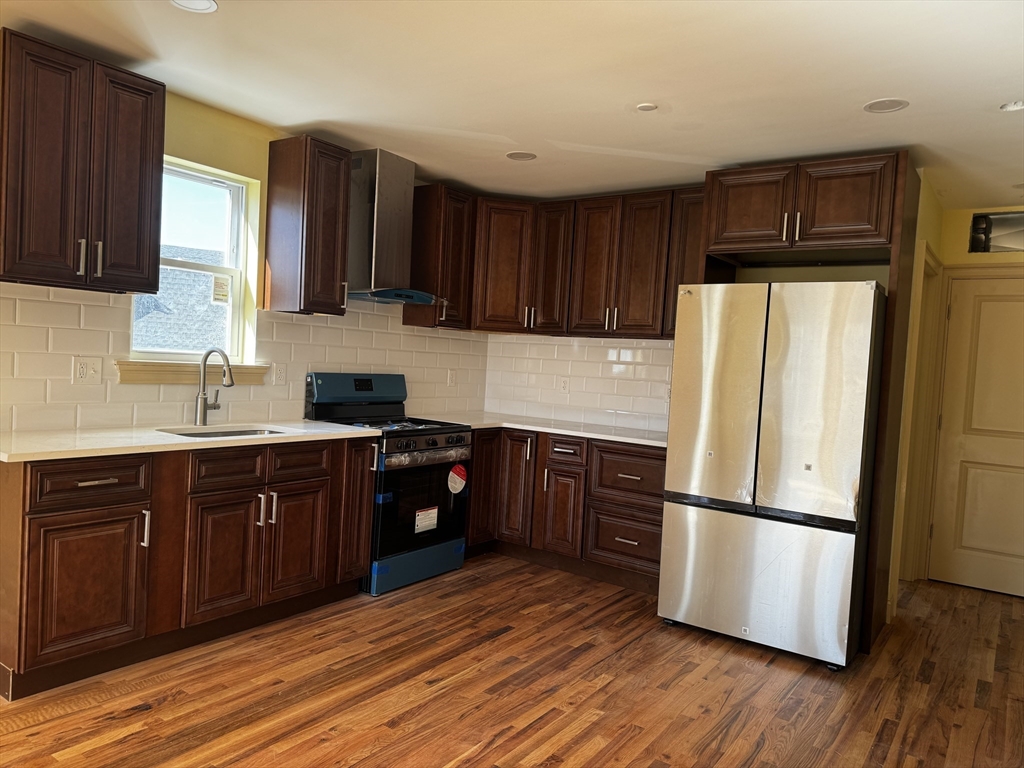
(380, 229)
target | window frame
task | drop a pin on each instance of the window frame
(238, 244)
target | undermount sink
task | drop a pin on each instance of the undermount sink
(206, 432)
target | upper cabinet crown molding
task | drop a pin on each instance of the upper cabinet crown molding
(81, 171)
(307, 226)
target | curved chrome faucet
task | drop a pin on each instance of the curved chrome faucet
(227, 378)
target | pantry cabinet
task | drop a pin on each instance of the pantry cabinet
(81, 171)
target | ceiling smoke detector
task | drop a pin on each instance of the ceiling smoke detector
(196, 6)
(1012, 106)
(881, 106)
(646, 107)
(521, 156)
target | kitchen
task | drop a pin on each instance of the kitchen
(617, 390)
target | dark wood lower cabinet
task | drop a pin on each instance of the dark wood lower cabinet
(624, 536)
(357, 509)
(486, 470)
(295, 540)
(85, 583)
(222, 570)
(558, 509)
(518, 457)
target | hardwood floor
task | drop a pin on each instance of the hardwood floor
(506, 663)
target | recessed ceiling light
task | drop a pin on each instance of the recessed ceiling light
(886, 105)
(1012, 106)
(196, 6)
(521, 156)
(646, 107)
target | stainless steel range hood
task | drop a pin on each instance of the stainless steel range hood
(380, 229)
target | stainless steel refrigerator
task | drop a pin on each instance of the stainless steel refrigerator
(768, 487)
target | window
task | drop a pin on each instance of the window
(202, 262)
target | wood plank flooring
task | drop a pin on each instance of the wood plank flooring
(506, 663)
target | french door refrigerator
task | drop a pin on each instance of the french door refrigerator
(768, 486)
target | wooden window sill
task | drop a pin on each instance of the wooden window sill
(160, 372)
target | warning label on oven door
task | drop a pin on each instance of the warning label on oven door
(426, 519)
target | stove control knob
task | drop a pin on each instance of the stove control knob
(460, 439)
(451, 440)
(432, 442)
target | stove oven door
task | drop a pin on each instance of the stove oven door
(416, 506)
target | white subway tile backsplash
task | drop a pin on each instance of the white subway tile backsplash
(49, 314)
(79, 341)
(17, 338)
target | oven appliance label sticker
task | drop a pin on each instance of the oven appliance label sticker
(457, 478)
(426, 519)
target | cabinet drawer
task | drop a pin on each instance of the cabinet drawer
(627, 472)
(228, 468)
(565, 450)
(623, 537)
(89, 483)
(299, 461)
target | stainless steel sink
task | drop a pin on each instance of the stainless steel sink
(205, 432)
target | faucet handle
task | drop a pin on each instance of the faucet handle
(215, 405)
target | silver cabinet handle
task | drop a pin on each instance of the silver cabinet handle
(99, 258)
(81, 257)
(145, 530)
(533, 317)
(376, 454)
(545, 478)
(344, 301)
(607, 312)
(615, 319)
(627, 541)
(87, 483)
(273, 507)
(785, 225)
(529, 440)
(630, 477)
(263, 509)
(526, 317)
(796, 229)
(444, 309)
(564, 450)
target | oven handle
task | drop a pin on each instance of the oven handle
(415, 459)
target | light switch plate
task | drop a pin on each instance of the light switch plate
(86, 370)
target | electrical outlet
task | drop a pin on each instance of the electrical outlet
(451, 377)
(280, 374)
(563, 385)
(86, 370)
(668, 394)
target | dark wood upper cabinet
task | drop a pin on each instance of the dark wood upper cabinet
(307, 226)
(552, 267)
(127, 180)
(844, 202)
(485, 486)
(85, 583)
(295, 541)
(518, 459)
(357, 510)
(643, 256)
(684, 253)
(558, 509)
(595, 251)
(442, 256)
(751, 208)
(503, 261)
(81, 171)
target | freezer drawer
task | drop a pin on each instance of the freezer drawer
(817, 390)
(716, 391)
(780, 584)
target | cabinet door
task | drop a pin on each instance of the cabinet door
(552, 265)
(518, 456)
(326, 220)
(595, 250)
(643, 258)
(483, 489)
(85, 583)
(558, 509)
(126, 181)
(295, 544)
(44, 163)
(623, 535)
(502, 261)
(684, 252)
(222, 569)
(751, 208)
(357, 512)
(456, 273)
(844, 202)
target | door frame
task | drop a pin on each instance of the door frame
(987, 271)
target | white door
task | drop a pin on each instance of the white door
(978, 536)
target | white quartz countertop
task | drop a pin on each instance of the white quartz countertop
(487, 420)
(83, 443)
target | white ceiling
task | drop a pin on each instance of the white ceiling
(453, 86)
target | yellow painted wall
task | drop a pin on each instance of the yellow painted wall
(929, 214)
(956, 234)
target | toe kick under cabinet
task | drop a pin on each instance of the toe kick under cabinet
(125, 555)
